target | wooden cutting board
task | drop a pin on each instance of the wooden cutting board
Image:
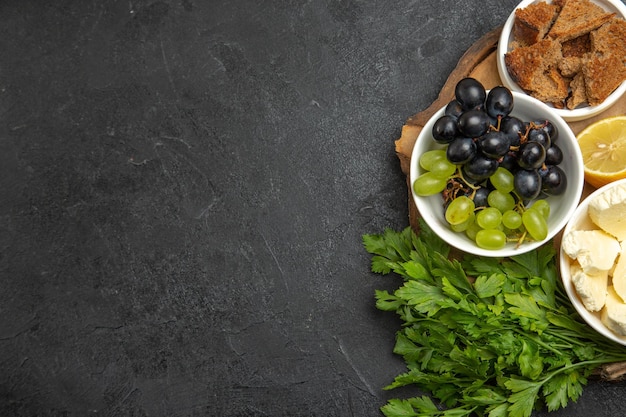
(479, 62)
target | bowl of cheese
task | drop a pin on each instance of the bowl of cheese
(593, 260)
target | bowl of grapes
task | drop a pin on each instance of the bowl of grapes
(495, 172)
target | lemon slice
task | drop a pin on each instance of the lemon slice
(603, 146)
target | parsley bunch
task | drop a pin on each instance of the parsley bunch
(485, 336)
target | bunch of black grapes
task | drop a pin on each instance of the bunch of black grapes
(482, 135)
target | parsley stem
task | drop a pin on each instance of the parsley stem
(582, 364)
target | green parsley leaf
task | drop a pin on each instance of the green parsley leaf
(489, 286)
(530, 363)
(501, 410)
(423, 297)
(524, 396)
(556, 392)
(486, 396)
(414, 270)
(524, 306)
(399, 408)
(386, 301)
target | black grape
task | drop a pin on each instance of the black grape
(527, 183)
(470, 93)
(494, 144)
(549, 128)
(553, 180)
(461, 150)
(445, 129)
(531, 155)
(554, 155)
(539, 135)
(453, 109)
(480, 197)
(509, 161)
(480, 167)
(473, 123)
(514, 128)
(499, 102)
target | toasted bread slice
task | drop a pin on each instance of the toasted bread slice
(533, 22)
(605, 69)
(534, 68)
(610, 39)
(525, 62)
(579, 93)
(603, 74)
(554, 88)
(570, 66)
(576, 47)
(578, 17)
(573, 52)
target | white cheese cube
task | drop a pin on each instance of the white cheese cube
(608, 211)
(594, 250)
(591, 288)
(614, 312)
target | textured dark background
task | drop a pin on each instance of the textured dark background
(183, 189)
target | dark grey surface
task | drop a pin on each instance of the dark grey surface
(184, 186)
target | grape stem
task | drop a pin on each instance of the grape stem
(520, 240)
(499, 122)
(459, 173)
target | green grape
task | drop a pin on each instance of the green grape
(502, 180)
(489, 218)
(511, 219)
(428, 158)
(473, 230)
(459, 210)
(503, 201)
(491, 239)
(510, 233)
(462, 227)
(543, 206)
(443, 168)
(535, 224)
(429, 184)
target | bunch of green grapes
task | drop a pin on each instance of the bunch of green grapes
(489, 214)
(493, 170)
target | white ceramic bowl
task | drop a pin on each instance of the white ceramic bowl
(526, 108)
(581, 221)
(579, 113)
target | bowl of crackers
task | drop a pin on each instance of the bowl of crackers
(569, 54)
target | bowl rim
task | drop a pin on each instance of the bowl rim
(573, 115)
(591, 318)
(449, 236)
